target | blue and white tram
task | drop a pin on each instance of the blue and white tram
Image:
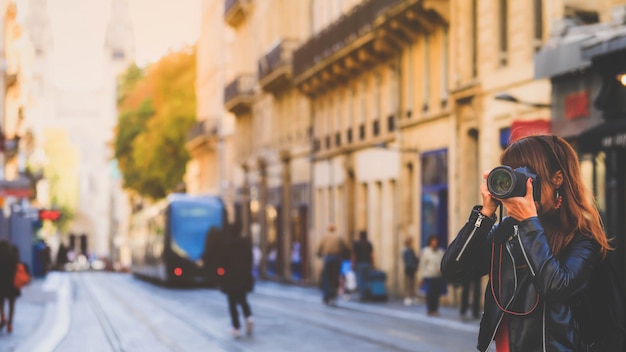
(174, 240)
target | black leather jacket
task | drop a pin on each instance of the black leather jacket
(525, 279)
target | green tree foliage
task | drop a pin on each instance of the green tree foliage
(157, 108)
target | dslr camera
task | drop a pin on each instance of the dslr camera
(505, 182)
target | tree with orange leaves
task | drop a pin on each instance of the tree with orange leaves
(157, 106)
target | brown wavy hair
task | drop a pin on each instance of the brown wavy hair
(545, 155)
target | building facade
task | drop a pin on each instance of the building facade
(365, 71)
(209, 142)
(378, 116)
(588, 94)
(273, 136)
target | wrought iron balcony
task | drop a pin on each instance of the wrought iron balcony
(340, 33)
(239, 93)
(235, 11)
(275, 66)
(370, 33)
(202, 130)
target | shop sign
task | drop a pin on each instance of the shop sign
(577, 105)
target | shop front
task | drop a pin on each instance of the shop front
(589, 109)
(608, 139)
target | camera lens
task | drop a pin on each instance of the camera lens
(500, 182)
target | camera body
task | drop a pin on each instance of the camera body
(505, 182)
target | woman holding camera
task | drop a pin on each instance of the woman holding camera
(540, 257)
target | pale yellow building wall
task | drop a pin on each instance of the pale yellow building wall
(211, 168)
(483, 113)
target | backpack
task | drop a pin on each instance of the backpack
(600, 312)
(21, 278)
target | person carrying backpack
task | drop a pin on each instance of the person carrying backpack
(541, 258)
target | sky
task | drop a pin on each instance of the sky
(78, 28)
(163, 24)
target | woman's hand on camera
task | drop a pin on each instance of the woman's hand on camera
(490, 204)
(521, 208)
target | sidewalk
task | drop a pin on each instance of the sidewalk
(42, 312)
(394, 307)
(38, 317)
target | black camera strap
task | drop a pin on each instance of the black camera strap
(498, 264)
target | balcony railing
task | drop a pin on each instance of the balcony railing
(275, 66)
(339, 34)
(238, 94)
(204, 128)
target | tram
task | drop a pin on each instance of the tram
(175, 240)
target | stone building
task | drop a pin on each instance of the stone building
(586, 63)
(272, 148)
(375, 74)
(210, 140)
(382, 115)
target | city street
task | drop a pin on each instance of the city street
(98, 311)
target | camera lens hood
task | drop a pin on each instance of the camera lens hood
(501, 182)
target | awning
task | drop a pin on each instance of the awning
(612, 42)
(560, 59)
(19, 188)
(610, 134)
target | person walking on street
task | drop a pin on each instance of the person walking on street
(61, 258)
(471, 287)
(9, 258)
(363, 261)
(331, 250)
(541, 257)
(430, 274)
(411, 263)
(235, 276)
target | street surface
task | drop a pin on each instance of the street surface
(99, 311)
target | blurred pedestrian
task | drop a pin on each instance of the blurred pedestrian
(363, 261)
(471, 286)
(42, 259)
(9, 258)
(430, 274)
(62, 257)
(332, 249)
(411, 263)
(236, 281)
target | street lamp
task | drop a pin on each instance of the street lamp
(511, 99)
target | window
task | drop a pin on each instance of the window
(538, 38)
(435, 168)
(410, 82)
(329, 116)
(474, 39)
(504, 32)
(377, 95)
(394, 97)
(363, 102)
(351, 102)
(444, 68)
(426, 81)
